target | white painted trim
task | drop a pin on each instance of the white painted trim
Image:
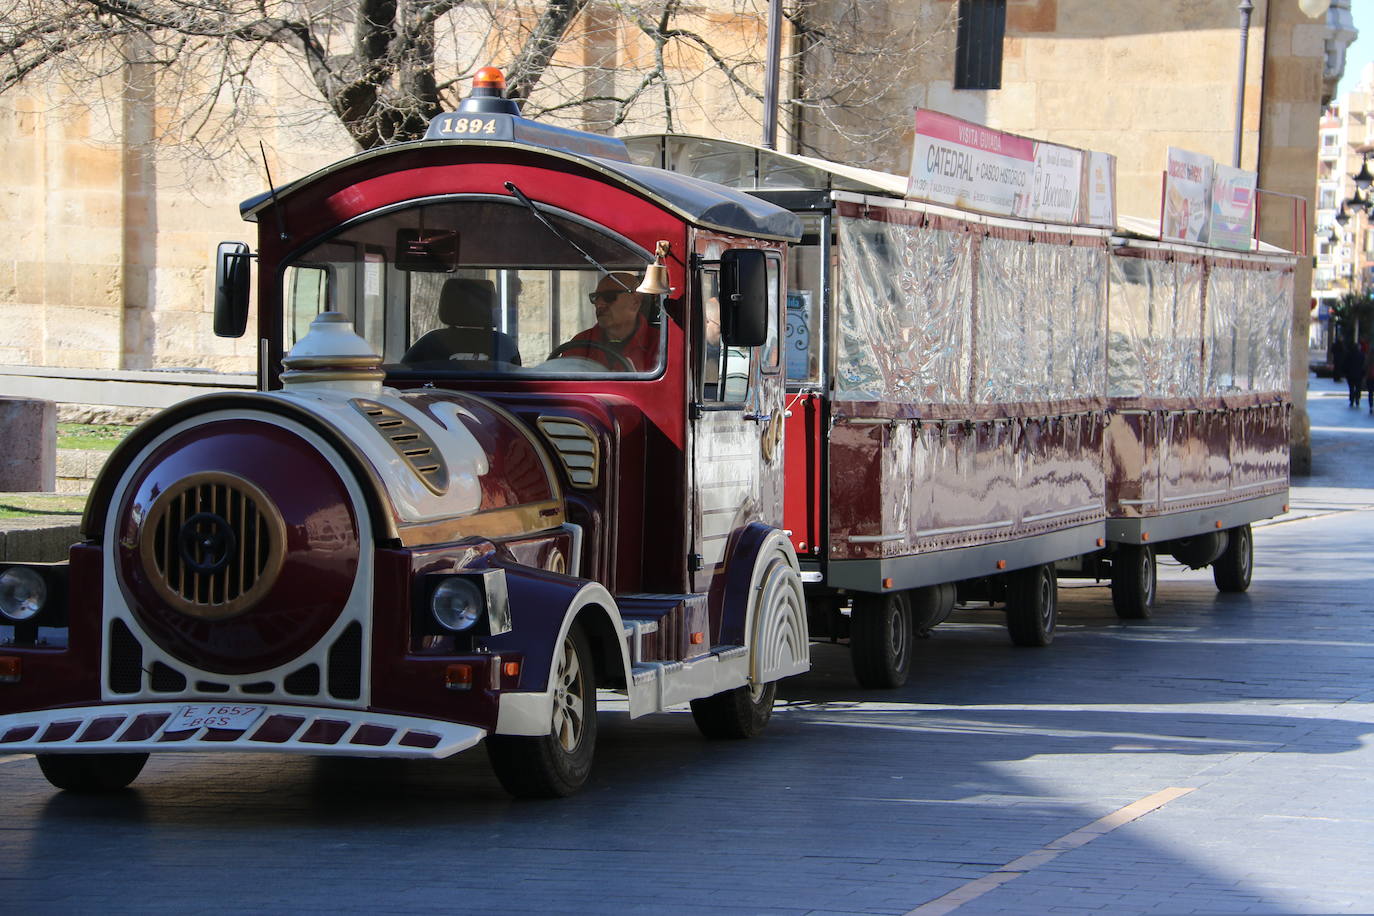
(1004, 523)
(875, 538)
(1263, 483)
(530, 712)
(453, 737)
(1062, 512)
(1187, 496)
(357, 608)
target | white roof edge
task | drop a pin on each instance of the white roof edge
(981, 219)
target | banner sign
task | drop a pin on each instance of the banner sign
(973, 167)
(1233, 208)
(1099, 195)
(1187, 192)
(968, 165)
(1058, 183)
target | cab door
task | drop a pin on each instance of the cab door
(737, 422)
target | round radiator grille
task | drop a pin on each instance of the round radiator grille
(212, 545)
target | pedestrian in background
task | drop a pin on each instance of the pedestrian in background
(1353, 369)
(1337, 356)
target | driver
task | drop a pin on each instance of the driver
(620, 326)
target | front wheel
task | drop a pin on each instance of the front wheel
(557, 764)
(738, 713)
(1133, 581)
(1032, 605)
(91, 773)
(1231, 571)
(881, 640)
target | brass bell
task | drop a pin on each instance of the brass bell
(656, 274)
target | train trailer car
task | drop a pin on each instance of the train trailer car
(500, 459)
(1199, 402)
(968, 403)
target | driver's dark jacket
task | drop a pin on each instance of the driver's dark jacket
(640, 348)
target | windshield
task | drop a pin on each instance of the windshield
(480, 286)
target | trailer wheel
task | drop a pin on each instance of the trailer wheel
(1032, 605)
(556, 764)
(880, 640)
(91, 773)
(1231, 571)
(738, 713)
(1133, 581)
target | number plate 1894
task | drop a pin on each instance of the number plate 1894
(235, 716)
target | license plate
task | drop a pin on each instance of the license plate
(232, 716)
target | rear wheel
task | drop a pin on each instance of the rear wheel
(738, 713)
(881, 640)
(1133, 581)
(556, 764)
(91, 773)
(1231, 571)
(1032, 605)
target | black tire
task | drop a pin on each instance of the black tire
(1133, 581)
(1032, 605)
(557, 764)
(1231, 571)
(738, 713)
(881, 640)
(91, 773)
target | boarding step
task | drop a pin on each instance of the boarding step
(665, 628)
(669, 683)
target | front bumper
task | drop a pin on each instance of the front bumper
(139, 727)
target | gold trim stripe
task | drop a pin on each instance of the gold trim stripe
(493, 524)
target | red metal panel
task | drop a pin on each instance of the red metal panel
(802, 458)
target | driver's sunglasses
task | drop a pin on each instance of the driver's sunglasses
(606, 295)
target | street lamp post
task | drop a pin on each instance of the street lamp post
(1246, 7)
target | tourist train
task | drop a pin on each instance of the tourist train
(543, 413)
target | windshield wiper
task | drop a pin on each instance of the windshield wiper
(520, 195)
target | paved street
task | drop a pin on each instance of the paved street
(1236, 732)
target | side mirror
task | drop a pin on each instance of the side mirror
(233, 278)
(744, 297)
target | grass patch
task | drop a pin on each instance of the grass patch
(101, 436)
(41, 505)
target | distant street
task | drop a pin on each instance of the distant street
(1218, 758)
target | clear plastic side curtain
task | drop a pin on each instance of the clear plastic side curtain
(909, 332)
(904, 317)
(1249, 316)
(1040, 325)
(1154, 328)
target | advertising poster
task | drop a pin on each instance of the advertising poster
(967, 165)
(1233, 208)
(1186, 207)
(1100, 193)
(1057, 183)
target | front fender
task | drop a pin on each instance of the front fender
(544, 607)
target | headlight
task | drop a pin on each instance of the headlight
(457, 604)
(23, 593)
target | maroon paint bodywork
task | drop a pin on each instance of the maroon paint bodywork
(1165, 459)
(54, 678)
(321, 558)
(991, 478)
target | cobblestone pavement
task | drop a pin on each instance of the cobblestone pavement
(1216, 759)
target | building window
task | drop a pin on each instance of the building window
(978, 56)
